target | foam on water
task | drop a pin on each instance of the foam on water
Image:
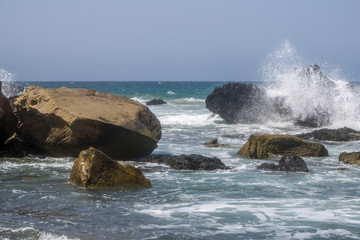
(308, 91)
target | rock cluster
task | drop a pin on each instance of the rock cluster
(93, 168)
(341, 134)
(262, 146)
(288, 163)
(188, 162)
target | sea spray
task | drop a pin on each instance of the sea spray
(8, 86)
(308, 92)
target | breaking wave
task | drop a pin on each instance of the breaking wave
(308, 92)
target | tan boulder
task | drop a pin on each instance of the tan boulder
(263, 146)
(350, 158)
(93, 168)
(64, 121)
(7, 119)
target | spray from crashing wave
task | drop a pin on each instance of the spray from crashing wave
(7, 84)
(307, 94)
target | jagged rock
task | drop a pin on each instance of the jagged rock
(262, 146)
(7, 120)
(64, 121)
(288, 163)
(156, 102)
(214, 143)
(341, 134)
(188, 162)
(350, 158)
(93, 168)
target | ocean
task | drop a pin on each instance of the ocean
(38, 202)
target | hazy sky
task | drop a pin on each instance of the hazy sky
(165, 40)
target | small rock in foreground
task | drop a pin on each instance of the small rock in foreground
(288, 163)
(188, 162)
(95, 169)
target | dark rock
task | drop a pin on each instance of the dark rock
(341, 134)
(238, 103)
(188, 162)
(156, 102)
(93, 168)
(214, 143)
(288, 163)
(15, 147)
(262, 146)
(8, 120)
(350, 158)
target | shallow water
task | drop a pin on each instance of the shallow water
(38, 202)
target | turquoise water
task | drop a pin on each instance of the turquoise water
(38, 202)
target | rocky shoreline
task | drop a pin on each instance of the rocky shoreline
(64, 122)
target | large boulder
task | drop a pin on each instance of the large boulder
(188, 162)
(341, 134)
(93, 168)
(7, 119)
(288, 163)
(263, 146)
(238, 103)
(350, 158)
(64, 121)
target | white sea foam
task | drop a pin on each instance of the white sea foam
(29, 233)
(171, 93)
(186, 120)
(308, 91)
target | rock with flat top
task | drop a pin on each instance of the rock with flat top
(156, 102)
(350, 158)
(64, 121)
(263, 146)
(341, 134)
(93, 168)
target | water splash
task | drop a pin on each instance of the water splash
(8, 86)
(308, 92)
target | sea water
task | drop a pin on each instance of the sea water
(38, 202)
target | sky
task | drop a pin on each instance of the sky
(171, 40)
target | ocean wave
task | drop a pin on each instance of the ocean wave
(30, 233)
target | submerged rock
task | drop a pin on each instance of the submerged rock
(262, 146)
(214, 143)
(341, 134)
(188, 162)
(288, 163)
(7, 120)
(350, 158)
(156, 102)
(93, 168)
(64, 121)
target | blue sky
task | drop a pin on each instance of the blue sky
(163, 40)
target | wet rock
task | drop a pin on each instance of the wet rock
(8, 120)
(238, 103)
(188, 162)
(214, 143)
(93, 168)
(64, 121)
(350, 158)
(156, 102)
(288, 163)
(16, 147)
(262, 146)
(341, 134)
